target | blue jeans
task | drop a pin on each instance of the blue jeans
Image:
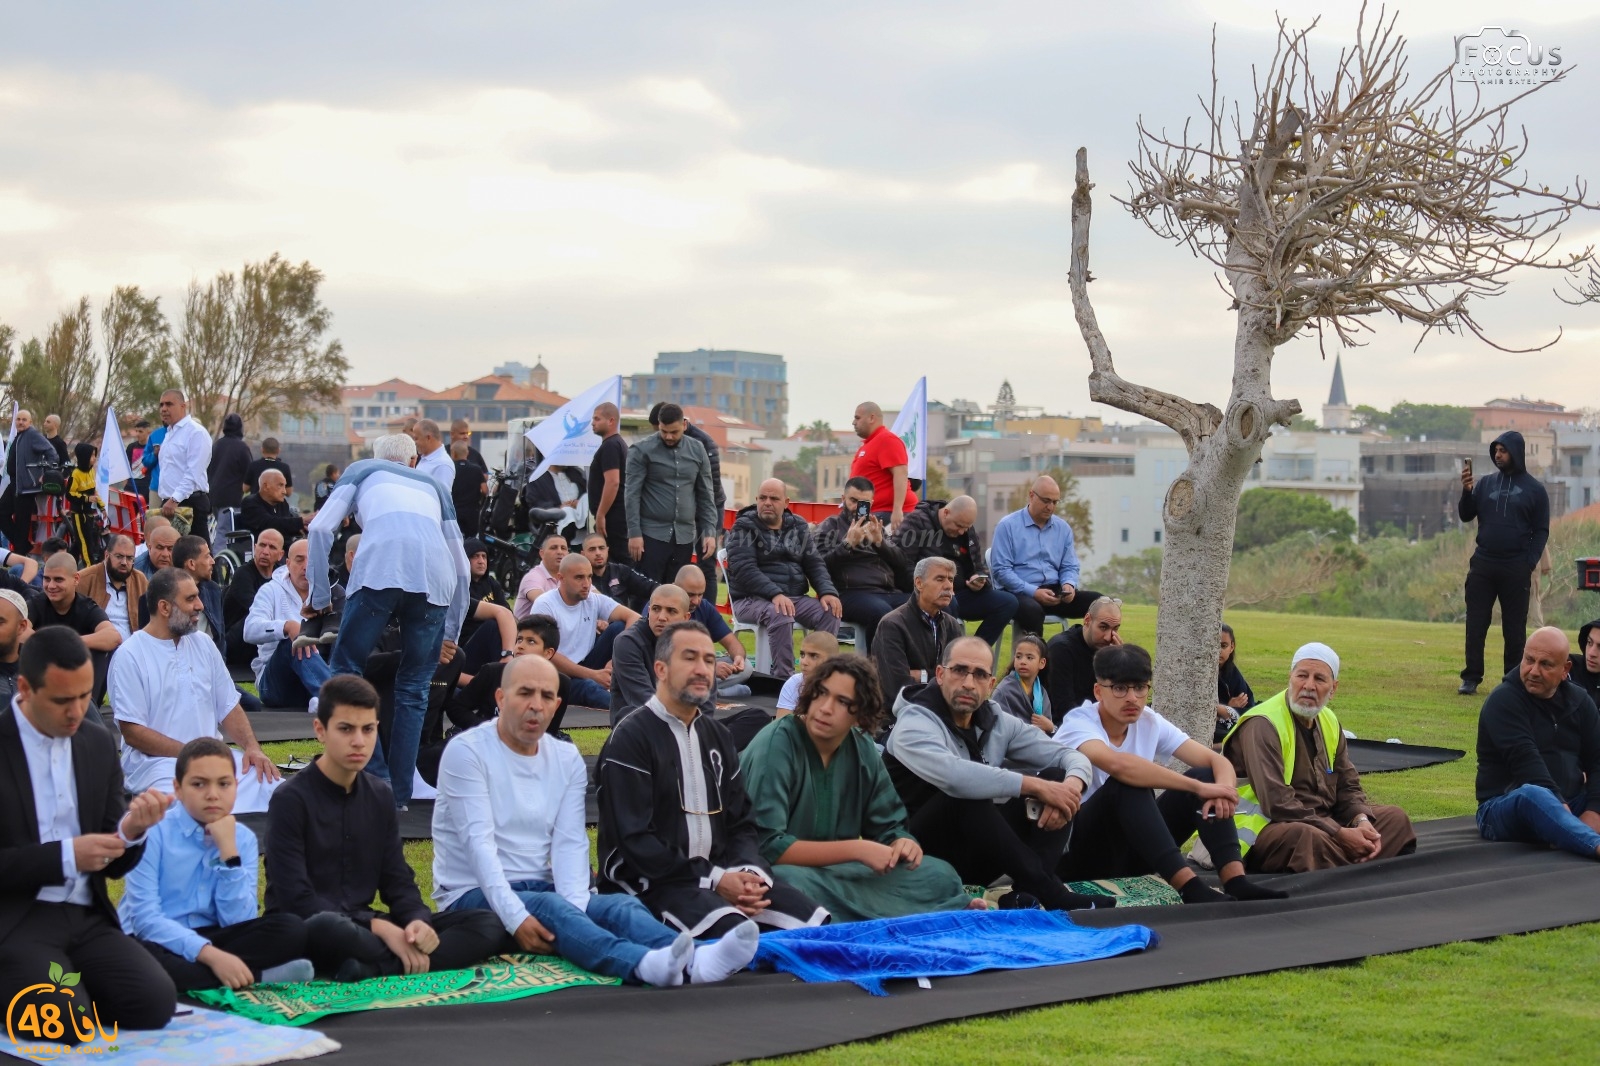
(609, 938)
(366, 614)
(993, 608)
(291, 681)
(1532, 814)
(585, 693)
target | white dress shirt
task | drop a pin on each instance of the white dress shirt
(438, 465)
(117, 606)
(185, 455)
(55, 802)
(502, 817)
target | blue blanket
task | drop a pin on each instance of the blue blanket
(945, 944)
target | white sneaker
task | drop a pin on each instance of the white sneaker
(1200, 856)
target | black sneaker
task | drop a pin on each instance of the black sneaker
(1019, 901)
(322, 629)
(1468, 688)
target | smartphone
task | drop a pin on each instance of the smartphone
(863, 510)
(1466, 464)
(1033, 807)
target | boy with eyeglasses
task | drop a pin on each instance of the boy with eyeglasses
(1122, 829)
(986, 792)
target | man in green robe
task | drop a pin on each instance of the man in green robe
(829, 818)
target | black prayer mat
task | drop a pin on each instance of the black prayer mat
(1456, 887)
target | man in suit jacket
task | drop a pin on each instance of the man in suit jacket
(65, 829)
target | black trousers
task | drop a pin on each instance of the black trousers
(1487, 582)
(466, 938)
(123, 981)
(1030, 612)
(260, 944)
(1124, 831)
(983, 840)
(200, 525)
(866, 607)
(662, 561)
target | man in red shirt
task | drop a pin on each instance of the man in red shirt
(882, 460)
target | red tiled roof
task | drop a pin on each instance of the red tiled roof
(403, 390)
(508, 390)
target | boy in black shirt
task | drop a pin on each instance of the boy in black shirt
(334, 843)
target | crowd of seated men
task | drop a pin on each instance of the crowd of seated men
(883, 785)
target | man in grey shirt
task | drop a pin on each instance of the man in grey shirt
(633, 656)
(670, 503)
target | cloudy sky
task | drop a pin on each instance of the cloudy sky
(874, 190)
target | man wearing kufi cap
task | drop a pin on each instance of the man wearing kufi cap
(1301, 804)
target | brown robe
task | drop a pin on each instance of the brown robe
(92, 583)
(1321, 797)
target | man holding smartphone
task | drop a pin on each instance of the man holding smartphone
(936, 528)
(1034, 560)
(867, 566)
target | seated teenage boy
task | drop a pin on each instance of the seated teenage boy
(510, 840)
(476, 702)
(1122, 829)
(191, 901)
(336, 845)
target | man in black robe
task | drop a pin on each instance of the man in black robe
(676, 829)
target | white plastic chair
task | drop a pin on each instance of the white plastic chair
(763, 655)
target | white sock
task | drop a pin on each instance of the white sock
(663, 967)
(293, 970)
(311, 707)
(720, 961)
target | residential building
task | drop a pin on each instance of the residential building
(308, 443)
(1576, 466)
(746, 461)
(1413, 486)
(1327, 465)
(488, 403)
(752, 386)
(373, 410)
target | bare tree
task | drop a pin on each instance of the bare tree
(138, 348)
(252, 344)
(1333, 202)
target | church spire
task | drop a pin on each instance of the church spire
(1336, 396)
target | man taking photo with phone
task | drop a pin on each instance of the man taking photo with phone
(936, 528)
(867, 566)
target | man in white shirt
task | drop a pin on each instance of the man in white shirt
(590, 623)
(65, 829)
(185, 456)
(543, 575)
(286, 676)
(1121, 828)
(433, 458)
(510, 837)
(411, 569)
(167, 690)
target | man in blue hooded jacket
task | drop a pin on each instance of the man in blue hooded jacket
(1513, 516)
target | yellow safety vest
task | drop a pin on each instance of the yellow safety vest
(1248, 818)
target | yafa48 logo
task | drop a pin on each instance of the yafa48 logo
(1494, 56)
(51, 1019)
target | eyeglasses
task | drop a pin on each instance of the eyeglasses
(1138, 688)
(977, 673)
(1046, 500)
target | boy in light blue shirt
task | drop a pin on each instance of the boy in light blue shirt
(191, 901)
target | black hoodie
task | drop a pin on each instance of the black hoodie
(1512, 510)
(1524, 740)
(230, 465)
(1581, 675)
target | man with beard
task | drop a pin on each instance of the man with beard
(14, 629)
(773, 562)
(117, 587)
(618, 580)
(1539, 754)
(167, 690)
(633, 676)
(1301, 806)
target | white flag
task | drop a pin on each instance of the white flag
(564, 438)
(912, 428)
(113, 465)
(5, 479)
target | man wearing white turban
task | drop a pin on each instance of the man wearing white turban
(1305, 809)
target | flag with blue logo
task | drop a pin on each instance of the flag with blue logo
(911, 426)
(564, 438)
(113, 466)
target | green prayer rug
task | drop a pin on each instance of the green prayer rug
(1146, 891)
(502, 978)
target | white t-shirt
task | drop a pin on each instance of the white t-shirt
(179, 688)
(502, 817)
(789, 695)
(577, 622)
(1152, 737)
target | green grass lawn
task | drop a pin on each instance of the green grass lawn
(1514, 999)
